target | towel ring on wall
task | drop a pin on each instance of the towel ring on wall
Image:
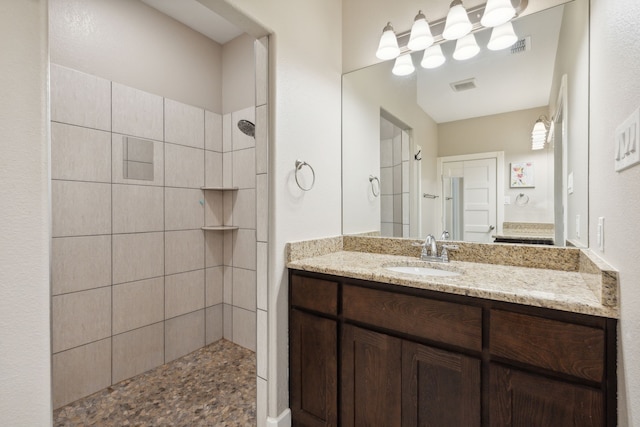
(522, 199)
(299, 165)
(373, 187)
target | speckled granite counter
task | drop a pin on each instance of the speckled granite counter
(566, 279)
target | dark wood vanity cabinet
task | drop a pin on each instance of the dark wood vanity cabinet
(369, 354)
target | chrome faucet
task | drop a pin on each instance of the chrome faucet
(430, 250)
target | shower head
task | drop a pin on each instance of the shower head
(247, 128)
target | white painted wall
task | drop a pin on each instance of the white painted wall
(615, 93)
(305, 73)
(25, 363)
(131, 43)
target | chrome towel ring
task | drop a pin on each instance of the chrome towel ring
(373, 187)
(299, 165)
(522, 199)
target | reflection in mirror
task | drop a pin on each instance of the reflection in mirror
(487, 104)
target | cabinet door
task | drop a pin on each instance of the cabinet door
(371, 381)
(440, 389)
(314, 370)
(518, 399)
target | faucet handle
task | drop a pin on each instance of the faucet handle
(445, 235)
(445, 251)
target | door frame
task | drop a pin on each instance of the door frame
(500, 170)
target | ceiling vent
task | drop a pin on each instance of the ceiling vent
(463, 85)
(521, 45)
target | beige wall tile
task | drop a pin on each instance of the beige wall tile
(244, 249)
(214, 324)
(80, 99)
(227, 129)
(137, 256)
(117, 147)
(227, 169)
(261, 343)
(80, 263)
(80, 208)
(80, 318)
(214, 248)
(262, 208)
(80, 372)
(262, 396)
(184, 166)
(229, 242)
(244, 168)
(213, 131)
(137, 304)
(136, 112)
(262, 71)
(80, 154)
(137, 208)
(213, 208)
(261, 275)
(227, 322)
(244, 289)
(183, 293)
(184, 208)
(184, 251)
(244, 328)
(239, 139)
(183, 124)
(213, 169)
(183, 334)
(227, 292)
(228, 199)
(214, 285)
(137, 351)
(244, 208)
(262, 139)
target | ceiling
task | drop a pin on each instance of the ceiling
(504, 81)
(199, 17)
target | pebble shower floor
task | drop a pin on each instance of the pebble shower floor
(213, 386)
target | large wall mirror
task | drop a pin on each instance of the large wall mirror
(450, 148)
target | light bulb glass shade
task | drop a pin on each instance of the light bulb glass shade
(457, 24)
(433, 57)
(421, 37)
(502, 37)
(466, 48)
(539, 127)
(497, 12)
(403, 66)
(388, 46)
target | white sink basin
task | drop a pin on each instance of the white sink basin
(422, 271)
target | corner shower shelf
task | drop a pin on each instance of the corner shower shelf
(220, 188)
(220, 227)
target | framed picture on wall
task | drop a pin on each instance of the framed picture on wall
(522, 175)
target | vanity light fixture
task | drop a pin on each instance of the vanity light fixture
(502, 37)
(458, 24)
(497, 12)
(539, 133)
(466, 48)
(403, 65)
(388, 46)
(421, 37)
(433, 57)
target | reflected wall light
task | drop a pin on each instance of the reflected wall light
(539, 133)
(466, 48)
(502, 37)
(403, 65)
(458, 24)
(433, 57)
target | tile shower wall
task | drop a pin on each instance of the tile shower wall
(136, 282)
(394, 184)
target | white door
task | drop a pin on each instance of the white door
(479, 200)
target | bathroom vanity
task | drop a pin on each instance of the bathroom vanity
(369, 346)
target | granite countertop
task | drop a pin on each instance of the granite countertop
(551, 288)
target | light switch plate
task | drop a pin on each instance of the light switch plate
(578, 226)
(627, 142)
(507, 200)
(600, 233)
(570, 183)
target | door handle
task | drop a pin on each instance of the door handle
(491, 228)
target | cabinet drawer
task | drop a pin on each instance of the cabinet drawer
(440, 321)
(563, 347)
(314, 294)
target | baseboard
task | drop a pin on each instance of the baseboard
(283, 420)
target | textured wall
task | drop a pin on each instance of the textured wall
(25, 385)
(615, 93)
